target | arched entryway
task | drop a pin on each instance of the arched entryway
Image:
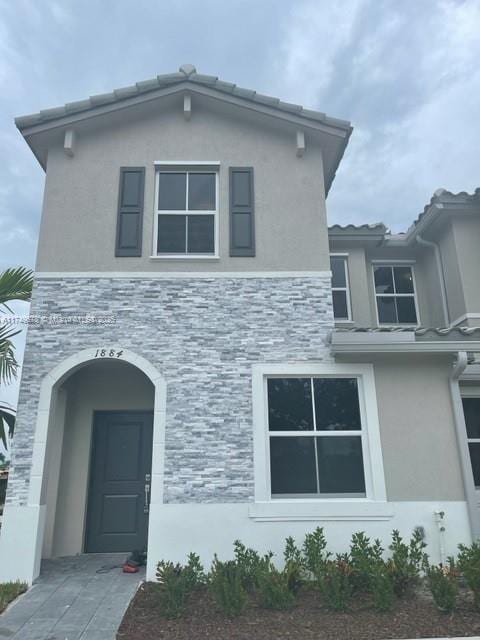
(96, 463)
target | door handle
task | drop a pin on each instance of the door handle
(146, 506)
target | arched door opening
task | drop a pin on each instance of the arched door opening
(99, 460)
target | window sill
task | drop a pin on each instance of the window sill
(399, 325)
(192, 257)
(360, 509)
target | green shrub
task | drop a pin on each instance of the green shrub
(314, 555)
(381, 589)
(249, 563)
(406, 563)
(194, 571)
(443, 583)
(226, 584)
(177, 583)
(9, 591)
(335, 583)
(468, 562)
(366, 560)
(174, 588)
(294, 566)
(273, 589)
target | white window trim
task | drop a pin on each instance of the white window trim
(176, 167)
(396, 263)
(471, 392)
(373, 505)
(346, 288)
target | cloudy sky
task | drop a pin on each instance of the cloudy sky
(405, 73)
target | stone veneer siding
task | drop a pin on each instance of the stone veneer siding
(203, 335)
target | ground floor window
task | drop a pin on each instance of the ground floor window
(471, 408)
(315, 437)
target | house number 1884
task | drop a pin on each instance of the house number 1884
(108, 353)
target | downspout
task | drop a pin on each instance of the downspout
(460, 429)
(441, 274)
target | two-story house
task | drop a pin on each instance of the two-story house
(207, 361)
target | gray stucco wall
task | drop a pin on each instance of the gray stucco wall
(100, 386)
(80, 206)
(466, 232)
(420, 453)
(358, 284)
(453, 278)
(362, 289)
(203, 335)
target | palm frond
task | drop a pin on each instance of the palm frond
(15, 284)
(7, 423)
(8, 362)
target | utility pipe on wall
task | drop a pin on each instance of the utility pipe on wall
(440, 522)
(441, 274)
(461, 433)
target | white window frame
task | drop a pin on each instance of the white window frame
(470, 392)
(396, 263)
(346, 288)
(373, 505)
(186, 167)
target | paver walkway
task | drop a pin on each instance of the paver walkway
(71, 601)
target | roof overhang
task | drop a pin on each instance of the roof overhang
(435, 215)
(332, 134)
(411, 341)
(365, 235)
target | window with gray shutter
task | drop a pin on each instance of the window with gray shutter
(130, 212)
(242, 225)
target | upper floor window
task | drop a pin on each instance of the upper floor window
(315, 437)
(395, 294)
(340, 288)
(471, 409)
(186, 215)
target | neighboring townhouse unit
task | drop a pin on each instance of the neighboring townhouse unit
(185, 381)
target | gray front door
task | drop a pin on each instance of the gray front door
(117, 514)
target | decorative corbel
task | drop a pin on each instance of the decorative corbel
(69, 142)
(300, 143)
(187, 106)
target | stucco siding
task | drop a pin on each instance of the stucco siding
(466, 231)
(453, 277)
(81, 194)
(417, 429)
(358, 286)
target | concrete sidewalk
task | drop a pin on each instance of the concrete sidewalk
(71, 601)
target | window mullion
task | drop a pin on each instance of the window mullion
(186, 209)
(392, 269)
(312, 392)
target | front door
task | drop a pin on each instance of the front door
(120, 468)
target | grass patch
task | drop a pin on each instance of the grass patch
(9, 591)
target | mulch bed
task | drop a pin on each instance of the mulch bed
(411, 618)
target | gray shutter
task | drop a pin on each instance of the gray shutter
(130, 212)
(242, 218)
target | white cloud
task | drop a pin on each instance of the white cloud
(407, 75)
(313, 34)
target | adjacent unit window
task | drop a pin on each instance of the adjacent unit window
(186, 212)
(340, 291)
(471, 409)
(315, 437)
(395, 294)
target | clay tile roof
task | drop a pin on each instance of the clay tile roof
(186, 73)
